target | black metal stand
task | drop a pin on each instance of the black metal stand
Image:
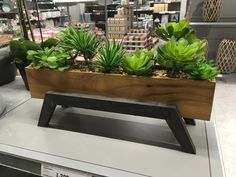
(155, 110)
(189, 121)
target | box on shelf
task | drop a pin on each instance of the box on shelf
(138, 39)
(121, 23)
(160, 7)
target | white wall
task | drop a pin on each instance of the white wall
(76, 10)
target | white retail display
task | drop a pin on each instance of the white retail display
(27, 147)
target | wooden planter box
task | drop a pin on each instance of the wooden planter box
(193, 98)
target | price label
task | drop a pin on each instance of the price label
(55, 171)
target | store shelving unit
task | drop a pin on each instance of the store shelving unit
(100, 13)
(7, 15)
(120, 23)
(214, 24)
(5, 18)
(47, 11)
(173, 9)
(136, 42)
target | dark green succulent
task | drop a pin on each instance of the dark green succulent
(203, 70)
(83, 41)
(49, 43)
(177, 30)
(110, 56)
(54, 58)
(141, 62)
(18, 50)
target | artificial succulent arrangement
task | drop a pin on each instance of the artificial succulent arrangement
(181, 54)
(83, 41)
(141, 62)
(19, 49)
(110, 56)
(54, 58)
(177, 30)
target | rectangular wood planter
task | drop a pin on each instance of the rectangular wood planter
(193, 98)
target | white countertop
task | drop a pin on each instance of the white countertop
(20, 136)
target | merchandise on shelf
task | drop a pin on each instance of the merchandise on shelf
(100, 33)
(89, 26)
(80, 25)
(85, 18)
(160, 7)
(121, 23)
(138, 39)
(50, 15)
(47, 33)
(124, 2)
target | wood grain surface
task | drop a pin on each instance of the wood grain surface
(193, 98)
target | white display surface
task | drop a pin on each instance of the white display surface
(19, 129)
(21, 138)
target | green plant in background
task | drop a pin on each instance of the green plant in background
(49, 43)
(141, 62)
(83, 41)
(177, 30)
(203, 70)
(110, 56)
(54, 58)
(18, 50)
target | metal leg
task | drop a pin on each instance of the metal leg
(155, 110)
(46, 112)
(178, 128)
(189, 121)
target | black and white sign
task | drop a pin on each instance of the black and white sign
(54, 171)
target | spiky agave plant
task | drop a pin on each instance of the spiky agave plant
(83, 41)
(110, 56)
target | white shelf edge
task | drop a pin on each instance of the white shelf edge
(220, 24)
(64, 162)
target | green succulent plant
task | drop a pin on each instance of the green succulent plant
(49, 43)
(177, 30)
(179, 55)
(203, 70)
(110, 56)
(54, 58)
(83, 41)
(141, 62)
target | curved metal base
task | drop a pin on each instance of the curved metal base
(155, 110)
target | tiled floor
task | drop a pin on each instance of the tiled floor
(225, 114)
